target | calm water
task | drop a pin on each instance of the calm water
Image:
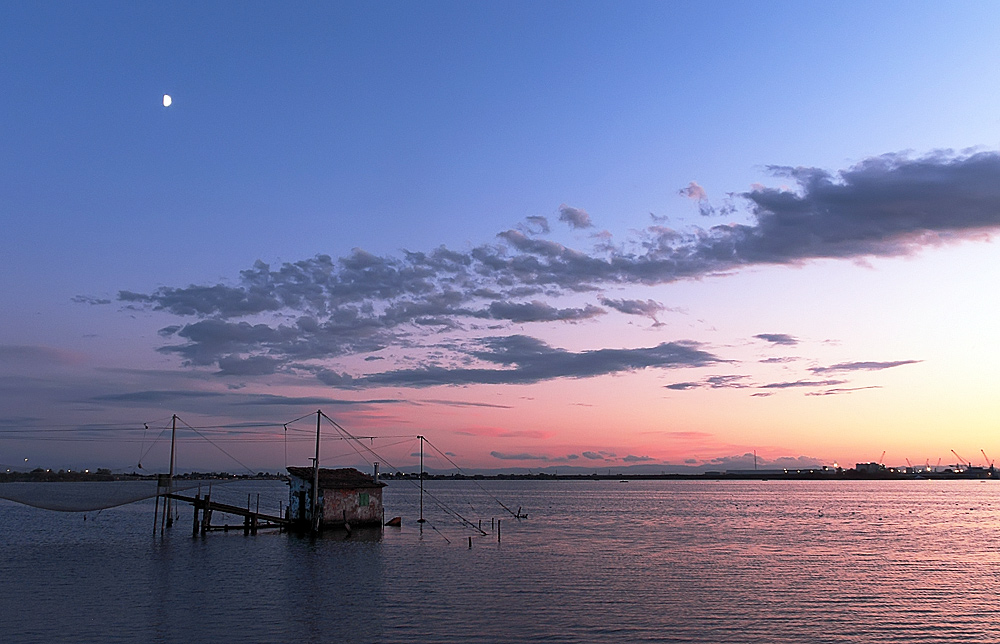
(657, 561)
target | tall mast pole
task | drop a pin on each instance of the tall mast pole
(170, 482)
(315, 494)
(421, 519)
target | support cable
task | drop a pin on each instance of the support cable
(455, 465)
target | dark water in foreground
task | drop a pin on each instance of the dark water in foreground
(656, 561)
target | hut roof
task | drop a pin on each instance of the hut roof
(342, 478)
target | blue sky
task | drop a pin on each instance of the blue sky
(330, 127)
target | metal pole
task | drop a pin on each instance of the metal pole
(421, 519)
(170, 483)
(315, 495)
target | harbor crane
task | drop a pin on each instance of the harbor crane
(989, 463)
(961, 460)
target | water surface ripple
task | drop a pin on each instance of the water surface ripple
(596, 561)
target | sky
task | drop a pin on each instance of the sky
(542, 235)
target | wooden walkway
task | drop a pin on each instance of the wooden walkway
(252, 521)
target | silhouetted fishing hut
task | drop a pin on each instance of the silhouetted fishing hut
(347, 498)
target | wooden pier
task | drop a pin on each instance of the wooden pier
(252, 520)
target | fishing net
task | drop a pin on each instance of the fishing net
(87, 496)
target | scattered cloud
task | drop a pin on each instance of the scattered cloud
(863, 366)
(87, 299)
(778, 338)
(646, 308)
(308, 317)
(802, 383)
(521, 359)
(519, 457)
(631, 458)
(713, 382)
(693, 191)
(575, 217)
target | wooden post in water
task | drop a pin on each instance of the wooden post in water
(156, 506)
(206, 516)
(498, 530)
(197, 502)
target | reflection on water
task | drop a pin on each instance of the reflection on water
(657, 561)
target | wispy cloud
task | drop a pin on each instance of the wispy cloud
(713, 382)
(801, 383)
(863, 366)
(836, 392)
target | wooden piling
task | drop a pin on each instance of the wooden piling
(498, 530)
(196, 504)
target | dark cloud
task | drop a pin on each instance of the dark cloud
(713, 382)
(521, 359)
(802, 383)
(726, 382)
(638, 459)
(300, 401)
(594, 456)
(574, 217)
(777, 360)
(863, 366)
(322, 309)
(536, 311)
(87, 299)
(252, 366)
(777, 338)
(518, 457)
(647, 308)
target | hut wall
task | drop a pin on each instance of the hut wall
(361, 506)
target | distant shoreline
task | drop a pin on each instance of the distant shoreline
(48, 476)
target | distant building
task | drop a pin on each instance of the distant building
(869, 468)
(346, 496)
